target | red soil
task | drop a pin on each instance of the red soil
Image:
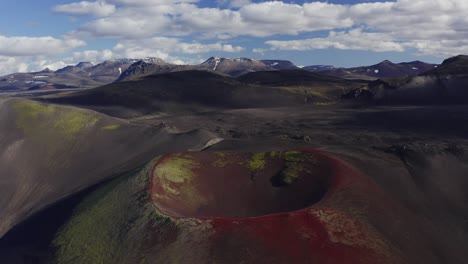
(288, 207)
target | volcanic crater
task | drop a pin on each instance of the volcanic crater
(240, 185)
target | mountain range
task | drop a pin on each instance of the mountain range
(384, 69)
(90, 75)
(81, 75)
(445, 84)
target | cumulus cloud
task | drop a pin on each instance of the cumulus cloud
(436, 28)
(351, 40)
(10, 64)
(251, 19)
(383, 26)
(239, 3)
(99, 8)
(91, 55)
(151, 2)
(152, 46)
(440, 48)
(30, 46)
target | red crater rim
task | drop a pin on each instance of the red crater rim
(240, 184)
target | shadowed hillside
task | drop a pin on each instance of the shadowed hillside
(447, 84)
(50, 152)
(179, 92)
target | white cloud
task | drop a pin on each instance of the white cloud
(31, 46)
(151, 2)
(28, 64)
(158, 45)
(436, 27)
(351, 40)
(403, 23)
(440, 48)
(98, 8)
(92, 55)
(252, 19)
(239, 3)
(414, 19)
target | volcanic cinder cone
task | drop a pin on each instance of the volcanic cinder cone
(302, 206)
(275, 207)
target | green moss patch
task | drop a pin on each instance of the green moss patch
(111, 224)
(111, 127)
(257, 162)
(37, 119)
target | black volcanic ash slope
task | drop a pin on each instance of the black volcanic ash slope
(179, 92)
(317, 88)
(49, 152)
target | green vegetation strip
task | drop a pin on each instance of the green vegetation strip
(104, 223)
(40, 119)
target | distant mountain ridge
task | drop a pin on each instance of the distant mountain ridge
(318, 68)
(90, 75)
(226, 66)
(384, 69)
(444, 84)
(81, 75)
(281, 64)
(235, 67)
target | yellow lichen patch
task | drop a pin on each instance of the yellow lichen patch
(222, 159)
(297, 156)
(290, 174)
(38, 120)
(345, 229)
(176, 169)
(294, 156)
(257, 162)
(70, 123)
(28, 111)
(220, 154)
(294, 165)
(177, 179)
(111, 127)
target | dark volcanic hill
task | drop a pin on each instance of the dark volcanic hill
(200, 91)
(292, 78)
(51, 151)
(235, 67)
(385, 69)
(178, 92)
(317, 88)
(445, 84)
(280, 64)
(454, 65)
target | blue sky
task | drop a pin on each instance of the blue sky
(55, 33)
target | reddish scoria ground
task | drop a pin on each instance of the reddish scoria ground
(277, 207)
